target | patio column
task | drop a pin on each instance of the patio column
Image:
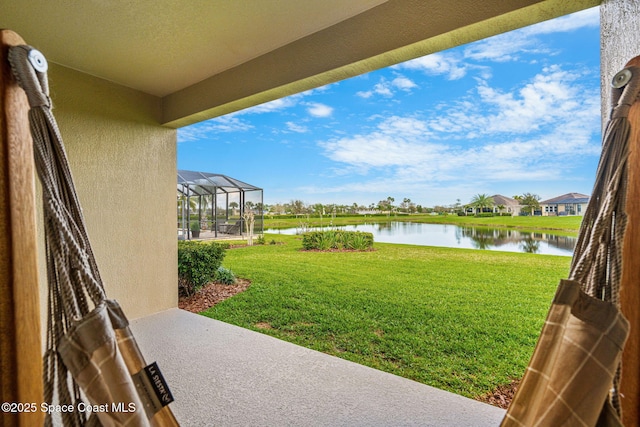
(188, 214)
(620, 42)
(215, 211)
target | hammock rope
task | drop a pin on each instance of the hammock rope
(89, 346)
(71, 267)
(597, 260)
(574, 374)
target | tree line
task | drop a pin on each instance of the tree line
(479, 203)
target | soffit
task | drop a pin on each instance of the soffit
(161, 46)
(206, 58)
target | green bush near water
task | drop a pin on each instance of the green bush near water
(198, 264)
(337, 239)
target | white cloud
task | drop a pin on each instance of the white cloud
(403, 83)
(512, 45)
(275, 105)
(438, 63)
(502, 48)
(386, 88)
(406, 126)
(582, 19)
(296, 128)
(551, 97)
(284, 103)
(319, 110)
(228, 123)
(396, 142)
(505, 47)
(534, 133)
(383, 89)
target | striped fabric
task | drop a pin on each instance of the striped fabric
(571, 372)
(91, 353)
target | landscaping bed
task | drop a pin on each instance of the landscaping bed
(212, 294)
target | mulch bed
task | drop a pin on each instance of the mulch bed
(212, 294)
(501, 396)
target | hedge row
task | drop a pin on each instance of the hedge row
(337, 239)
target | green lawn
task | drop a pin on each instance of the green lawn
(461, 320)
(566, 223)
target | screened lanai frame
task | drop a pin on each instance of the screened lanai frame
(217, 204)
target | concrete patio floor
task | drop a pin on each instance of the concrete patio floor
(223, 375)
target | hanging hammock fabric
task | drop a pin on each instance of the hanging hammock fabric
(573, 375)
(89, 347)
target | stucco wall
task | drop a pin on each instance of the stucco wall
(124, 167)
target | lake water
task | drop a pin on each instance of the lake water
(455, 236)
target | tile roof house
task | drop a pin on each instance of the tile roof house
(567, 204)
(510, 204)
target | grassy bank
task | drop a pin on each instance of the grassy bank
(565, 223)
(461, 320)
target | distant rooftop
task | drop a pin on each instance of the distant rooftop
(567, 199)
(499, 199)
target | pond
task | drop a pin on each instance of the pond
(457, 236)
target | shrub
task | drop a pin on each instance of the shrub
(225, 276)
(336, 239)
(197, 264)
(358, 241)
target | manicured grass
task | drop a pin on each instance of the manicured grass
(461, 320)
(566, 223)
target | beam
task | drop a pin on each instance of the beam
(393, 32)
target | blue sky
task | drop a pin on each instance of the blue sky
(515, 113)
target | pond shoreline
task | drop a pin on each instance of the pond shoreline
(543, 242)
(569, 224)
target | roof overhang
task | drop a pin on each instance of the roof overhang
(209, 58)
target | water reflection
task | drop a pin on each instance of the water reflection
(529, 242)
(483, 238)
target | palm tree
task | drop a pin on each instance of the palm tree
(530, 201)
(481, 201)
(390, 201)
(192, 202)
(406, 202)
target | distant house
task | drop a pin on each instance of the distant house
(504, 204)
(567, 204)
(501, 204)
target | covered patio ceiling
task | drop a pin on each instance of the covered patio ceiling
(207, 58)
